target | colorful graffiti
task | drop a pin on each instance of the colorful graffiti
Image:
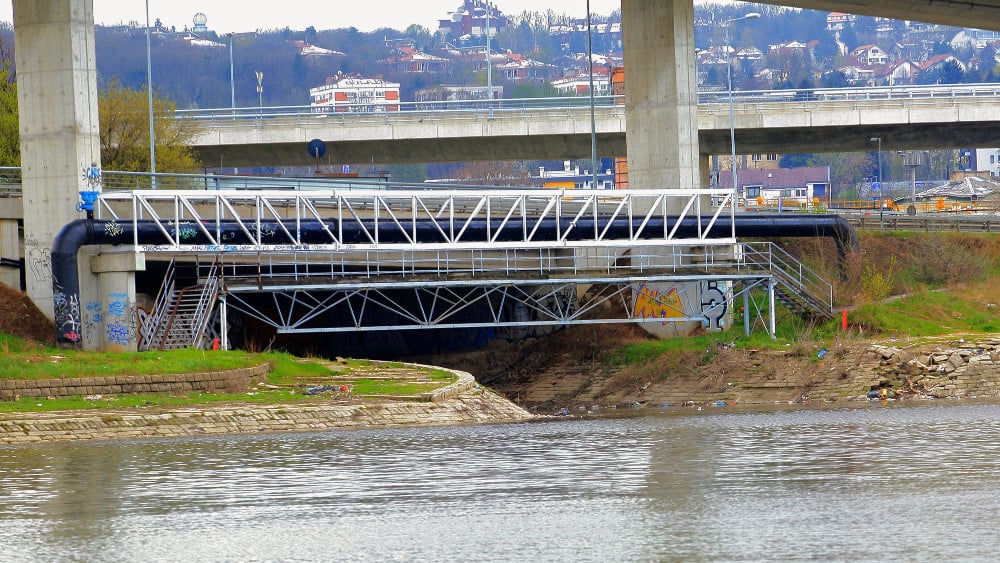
(67, 316)
(714, 304)
(651, 303)
(120, 328)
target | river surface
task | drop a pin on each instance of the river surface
(895, 482)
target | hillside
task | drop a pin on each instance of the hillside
(22, 318)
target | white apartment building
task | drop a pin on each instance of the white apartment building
(355, 94)
(988, 160)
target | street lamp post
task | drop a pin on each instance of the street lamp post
(149, 95)
(881, 204)
(260, 93)
(489, 63)
(593, 122)
(732, 116)
(232, 83)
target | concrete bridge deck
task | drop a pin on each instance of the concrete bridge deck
(815, 120)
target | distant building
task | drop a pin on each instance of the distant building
(987, 160)
(938, 62)
(870, 55)
(343, 93)
(312, 51)
(200, 22)
(780, 186)
(445, 93)
(519, 69)
(966, 189)
(407, 59)
(470, 20)
(571, 177)
(578, 84)
(836, 21)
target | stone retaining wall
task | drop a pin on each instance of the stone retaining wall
(967, 369)
(230, 381)
(470, 407)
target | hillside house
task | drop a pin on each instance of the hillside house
(406, 59)
(578, 84)
(870, 55)
(470, 20)
(520, 69)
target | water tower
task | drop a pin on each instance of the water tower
(200, 20)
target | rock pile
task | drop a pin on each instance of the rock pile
(969, 369)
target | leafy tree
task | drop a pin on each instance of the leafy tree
(950, 73)
(494, 173)
(533, 90)
(421, 36)
(795, 160)
(850, 38)
(125, 132)
(10, 144)
(834, 79)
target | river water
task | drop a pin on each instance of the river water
(868, 482)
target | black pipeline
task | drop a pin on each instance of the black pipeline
(82, 232)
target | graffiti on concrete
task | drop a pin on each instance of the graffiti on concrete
(652, 303)
(120, 326)
(39, 262)
(67, 316)
(714, 305)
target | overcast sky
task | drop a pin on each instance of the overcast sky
(250, 15)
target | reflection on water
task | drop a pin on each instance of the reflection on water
(863, 483)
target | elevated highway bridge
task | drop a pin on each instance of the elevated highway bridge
(815, 120)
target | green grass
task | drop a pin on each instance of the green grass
(287, 382)
(643, 352)
(20, 359)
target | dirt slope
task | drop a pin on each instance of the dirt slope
(19, 316)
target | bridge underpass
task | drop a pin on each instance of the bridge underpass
(334, 261)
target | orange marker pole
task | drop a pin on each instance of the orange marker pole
(843, 320)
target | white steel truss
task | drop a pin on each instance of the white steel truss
(470, 304)
(200, 221)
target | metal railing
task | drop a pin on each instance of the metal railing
(790, 271)
(572, 105)
(150, 324)
(344, 220)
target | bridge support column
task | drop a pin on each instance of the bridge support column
(10, 244)
(661, 98)
(57, 103)
(113, 313)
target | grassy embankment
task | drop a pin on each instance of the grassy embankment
(287, 382)
(899, 285)
(943, 283)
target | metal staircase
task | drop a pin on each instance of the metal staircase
(798, 288)
(181, 317)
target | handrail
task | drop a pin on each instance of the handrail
(790, 271)
(152, 322)
(209, 294)
(562, 103)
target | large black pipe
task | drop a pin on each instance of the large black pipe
(66, 282)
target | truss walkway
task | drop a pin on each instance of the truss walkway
(338, 261)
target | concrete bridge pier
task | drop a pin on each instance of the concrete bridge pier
(10, 243)
(59, 127)
(661, 94)
(661, 112)
(112, 312)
